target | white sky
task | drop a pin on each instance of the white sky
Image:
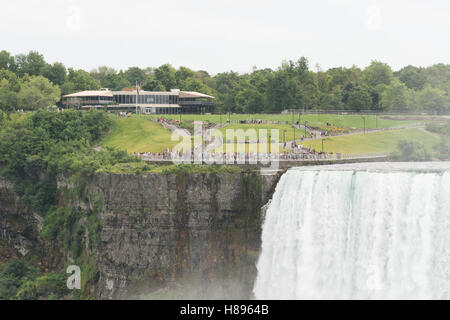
(225, 35)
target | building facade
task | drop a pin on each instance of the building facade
(146, 102)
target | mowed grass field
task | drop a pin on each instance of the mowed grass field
(138, 134)
(316, 120)
(285, 131)
(373, 142)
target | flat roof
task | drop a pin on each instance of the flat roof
(108, 93)
(90, 93)
(141, 92)
(193, 94)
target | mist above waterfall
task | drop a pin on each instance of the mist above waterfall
(367, 231)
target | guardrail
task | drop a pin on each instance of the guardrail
(244, 159)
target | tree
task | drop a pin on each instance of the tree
(377, 73)
(8, 97)
(152, 85)
(56, 73)
(79, 80)
(9, 87)
(7, 61)
(443, 149)
(183, 74)
(165, 74)
(343, 76)
(102, 72)
(410, 151)
(359, 99)
(250, 100)
(114, 81)
(38, 92)
(13, 79)
(292, 86)
(227, 86)
(396, 97)
(432, 100)
(412, 77)
(438, 76)
(134, 74)
(31, 64)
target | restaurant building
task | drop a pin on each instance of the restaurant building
(145, 102)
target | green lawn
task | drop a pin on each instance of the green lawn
(374, 142)
(138, 134)
(317, 120)
(284, 131)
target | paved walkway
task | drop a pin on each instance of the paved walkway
(419, 126)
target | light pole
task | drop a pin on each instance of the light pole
(284, 136)
(305, 127)
(364, 119)
(294, 133)
(270, 142)
(322, 144)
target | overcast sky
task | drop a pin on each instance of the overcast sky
(225, 35)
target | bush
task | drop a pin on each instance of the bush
(410, 151)
(16, 276)
(443, 149)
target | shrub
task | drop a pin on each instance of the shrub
(410, 151)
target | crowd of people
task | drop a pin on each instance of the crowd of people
(300, 153)
(123, 114)
(169, 121)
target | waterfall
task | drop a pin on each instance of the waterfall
(373, 231)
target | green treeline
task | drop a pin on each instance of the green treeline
(27, 81)
(36, 147)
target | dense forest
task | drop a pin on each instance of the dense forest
(27, 82)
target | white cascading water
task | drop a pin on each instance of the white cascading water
(372, 231)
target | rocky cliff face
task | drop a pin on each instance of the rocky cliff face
(159, 231)
(20, 231)
(18, 226)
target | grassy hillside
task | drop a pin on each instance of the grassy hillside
(381, 141)
(319, 120)
(138, 134)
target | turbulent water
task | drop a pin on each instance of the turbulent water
(372, 231)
